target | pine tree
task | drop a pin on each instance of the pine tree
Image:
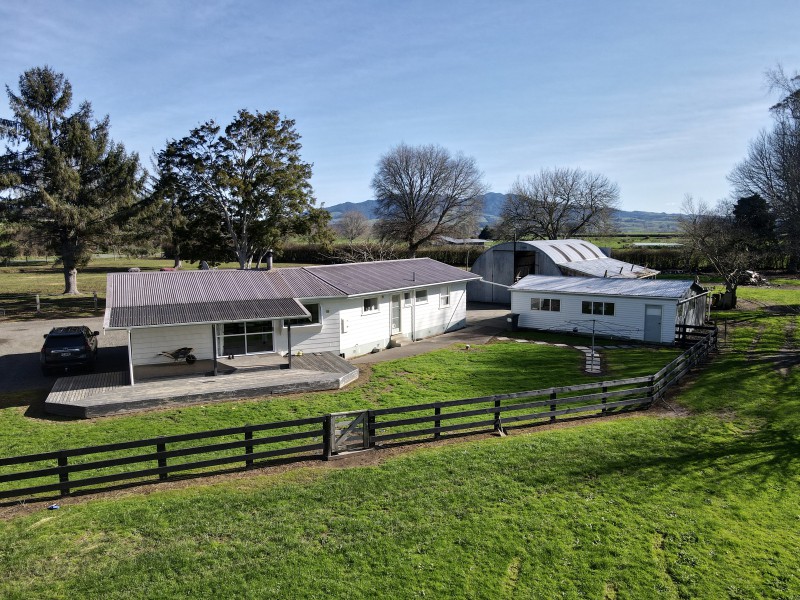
(61, 172)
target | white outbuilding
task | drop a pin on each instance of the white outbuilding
(637, 309)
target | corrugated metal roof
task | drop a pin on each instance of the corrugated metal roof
(174, 297)
(609, 267)
(383, 276)
(581, 257)
(205, 312)
(666, 288)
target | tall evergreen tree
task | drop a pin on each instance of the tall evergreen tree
(61, 172)
(250, 176)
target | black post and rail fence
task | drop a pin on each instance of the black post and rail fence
(93, 468)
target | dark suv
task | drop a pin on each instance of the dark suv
(69, 347)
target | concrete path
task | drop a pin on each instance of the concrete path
(484, 321)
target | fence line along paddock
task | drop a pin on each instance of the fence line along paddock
(324, 436)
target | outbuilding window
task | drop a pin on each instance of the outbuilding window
(422, 296)
(597, 308)
(551, 304)
(444, 297)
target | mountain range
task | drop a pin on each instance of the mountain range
(636, 221)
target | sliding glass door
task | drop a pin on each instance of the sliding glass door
(244, 337)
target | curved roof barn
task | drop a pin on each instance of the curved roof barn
(505, 264)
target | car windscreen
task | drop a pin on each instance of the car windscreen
(58, 342)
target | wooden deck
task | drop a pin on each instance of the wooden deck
(101, 394)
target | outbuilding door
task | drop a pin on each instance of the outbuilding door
(652, 323)
(397, 312)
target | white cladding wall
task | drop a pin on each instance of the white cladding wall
(361, 332)
(627, 321)
(320, 337)
(148, 342)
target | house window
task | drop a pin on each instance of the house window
(422, 296)
(444, 297)
(315, 316)
(597, 308)
(370, 305)
(249, 337)
(407, 298)
(550, 304)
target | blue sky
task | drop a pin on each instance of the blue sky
(662, 97)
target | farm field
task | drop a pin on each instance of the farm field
(700, 499)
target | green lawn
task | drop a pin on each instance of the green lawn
(657, 505)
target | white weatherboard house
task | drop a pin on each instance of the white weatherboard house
(639, 309)
(347, 309)
(504, 264)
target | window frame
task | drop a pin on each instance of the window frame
(545, 304)
(370, 311)
(306, 322)
(445, 294)
(417, 298)
(595, 307)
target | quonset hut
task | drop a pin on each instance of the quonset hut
(504, 264)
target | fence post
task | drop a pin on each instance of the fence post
(63, 474)
(161, 447)
(437, 411)
(248, 449)
(604, 400)
(370, 429)
(95, 300)
(38, 304)
(497, 426)
(651, 391)
(327, 442)
(553, 407)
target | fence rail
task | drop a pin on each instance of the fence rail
(318, 436)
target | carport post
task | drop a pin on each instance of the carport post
(289, 340)
(130, 357)
(214, 346)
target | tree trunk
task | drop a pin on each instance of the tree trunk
(178, 263)
(70, 268)
(70, 280)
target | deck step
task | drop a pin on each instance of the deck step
(399, 340)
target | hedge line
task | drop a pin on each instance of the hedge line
(458, 256)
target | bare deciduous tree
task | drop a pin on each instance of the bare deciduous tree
(772, 167)
(352, 225)
(425, 191)
(713, 234)
(559, 203)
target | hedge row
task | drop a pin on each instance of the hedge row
(680, 259)
(458, 256)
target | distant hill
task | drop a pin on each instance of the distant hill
(636, 221)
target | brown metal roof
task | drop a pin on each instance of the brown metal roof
(383, 276)
(206, 312)
(174, 297)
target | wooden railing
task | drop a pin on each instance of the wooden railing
(240, 448)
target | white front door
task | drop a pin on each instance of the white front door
(397, 310)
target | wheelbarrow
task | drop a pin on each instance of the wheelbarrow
(181, 354)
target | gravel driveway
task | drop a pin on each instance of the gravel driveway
(20, 342)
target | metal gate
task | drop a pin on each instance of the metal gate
(348, 431)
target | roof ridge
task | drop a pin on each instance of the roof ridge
(325, 281)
